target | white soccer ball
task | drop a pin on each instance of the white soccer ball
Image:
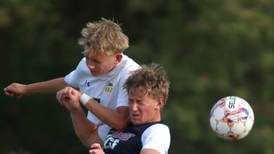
(231, 118)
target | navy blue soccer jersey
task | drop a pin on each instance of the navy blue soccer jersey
(129, 141)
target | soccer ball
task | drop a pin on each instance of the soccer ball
(231, 118)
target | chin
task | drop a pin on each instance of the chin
(95, 74)
(137, 122)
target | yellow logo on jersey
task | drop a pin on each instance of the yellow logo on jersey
(108, 88)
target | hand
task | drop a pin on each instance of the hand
(96, 149)
(70, 98)
(16, 90)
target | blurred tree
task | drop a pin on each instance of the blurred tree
(210, 48)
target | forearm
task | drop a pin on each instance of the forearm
(84, 129)
(149, 151)
(50, 86)
(117, 119)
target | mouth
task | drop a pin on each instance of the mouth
(134, 116)
(93, 72)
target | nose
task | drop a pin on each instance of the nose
(90, 65)
(133, 107)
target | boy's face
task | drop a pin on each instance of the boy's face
(142, 107)
(99, 63)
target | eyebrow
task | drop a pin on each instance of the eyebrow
(93, 59)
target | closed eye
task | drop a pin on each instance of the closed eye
(138, 101)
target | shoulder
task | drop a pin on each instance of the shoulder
(82, 63)
(82, 67)
(157, 128)
(156, 137)
(128, 64)
(126, 67)
(79, 73)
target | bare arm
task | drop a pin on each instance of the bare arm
(96, 149)
(149, 151)
(50, 86)
(84, 129)
(117, 119)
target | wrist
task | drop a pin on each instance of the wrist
(26, 89)
(84, 98)
(77, 112)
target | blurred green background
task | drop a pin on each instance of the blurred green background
(210, 48)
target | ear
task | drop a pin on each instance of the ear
(118, 57)
(160, 103)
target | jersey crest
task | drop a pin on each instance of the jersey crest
(108, 88)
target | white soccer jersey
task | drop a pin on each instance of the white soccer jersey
(156, 137)
(107, 89)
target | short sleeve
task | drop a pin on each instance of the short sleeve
(156, 137)
(73, 77)
(128, 67)
(122, 99)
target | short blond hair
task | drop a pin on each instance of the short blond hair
(153, 78)
(103, 36)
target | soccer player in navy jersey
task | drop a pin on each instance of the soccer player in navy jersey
(148, 90)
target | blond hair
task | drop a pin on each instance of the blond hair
(151, 77)
(103, 36)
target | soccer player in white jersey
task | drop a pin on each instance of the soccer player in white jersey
(148, 92)
(99, 77)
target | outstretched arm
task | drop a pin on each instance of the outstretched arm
(50, 86)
